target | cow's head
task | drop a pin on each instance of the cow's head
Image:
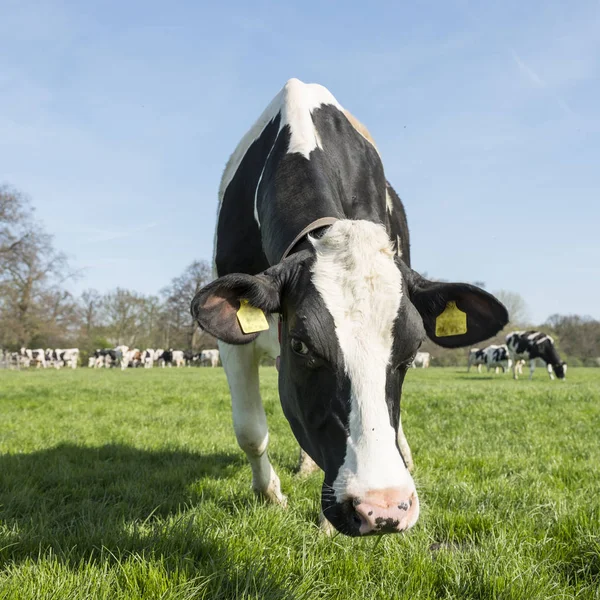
(354, 315)
(560, 369)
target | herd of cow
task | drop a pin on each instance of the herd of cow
(126, 357)
(50, 357)
(121, 356)
(520, 346)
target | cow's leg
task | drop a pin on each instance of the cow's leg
(531, 368)
(403, 445)
(515, 369)
(549, 367)
(479, 368)
(306, 465)
(249, 419)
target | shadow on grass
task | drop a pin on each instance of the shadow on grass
(81, 504)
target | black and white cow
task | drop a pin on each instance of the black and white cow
(36, 357)
(310, 231)
(476, 359)
(531, 345)
(493, 357)
(421, 359)
(166, 358)
(209, 358)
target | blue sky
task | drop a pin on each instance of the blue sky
(117, 119)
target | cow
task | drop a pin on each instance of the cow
(178, 358)
(312, 259)
(148, 358)
(70, 357)
(130, 358)
(493, 357)
(209, 358)
(166, 358)
(531, 345)
(103, 357)
(476, 359)
(37, 357)
(158, 357)
(62, 357)
(96, 360)
(422, 359)
(498, 357)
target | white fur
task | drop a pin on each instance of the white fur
(361, 286)
(249, 419)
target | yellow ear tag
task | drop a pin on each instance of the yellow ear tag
(251, 319)
(452, 321)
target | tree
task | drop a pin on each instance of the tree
(90, 305)
(123, 310)
(32, 269)
(15, 214)
(180, 326)
(518, 311)
(579, 337)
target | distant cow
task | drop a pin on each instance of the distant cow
(62, 357)
(493, 357)
(178, 358)
(148, 358)
(192, 358)
(531, 345)
(36, 357)
(498, 357)
(130, 358)
(166, 358)
(476, 359)
(209, 357)
(421, 359)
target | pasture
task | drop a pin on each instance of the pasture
(127, 485)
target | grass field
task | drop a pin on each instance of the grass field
(123, 485)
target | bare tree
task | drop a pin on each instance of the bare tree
(15, 215)
(518, 311)
(181, 327)
(123, 310)
(30, 271)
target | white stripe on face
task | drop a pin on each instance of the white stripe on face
(361, 286)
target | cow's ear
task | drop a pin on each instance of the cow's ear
(216, 306)
(234, 307)
(456, 314)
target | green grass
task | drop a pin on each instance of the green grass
(130, 485)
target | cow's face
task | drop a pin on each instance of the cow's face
(560, 369)
(353, 317)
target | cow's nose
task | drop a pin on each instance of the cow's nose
(386, 511)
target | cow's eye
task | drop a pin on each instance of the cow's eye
(299, 347)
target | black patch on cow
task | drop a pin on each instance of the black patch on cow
(239, 248)
(397, 225)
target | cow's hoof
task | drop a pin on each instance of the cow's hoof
(273, 495)
(306, 465)
(325, 526)
(276, 498)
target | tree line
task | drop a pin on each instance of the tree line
(37, 311)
